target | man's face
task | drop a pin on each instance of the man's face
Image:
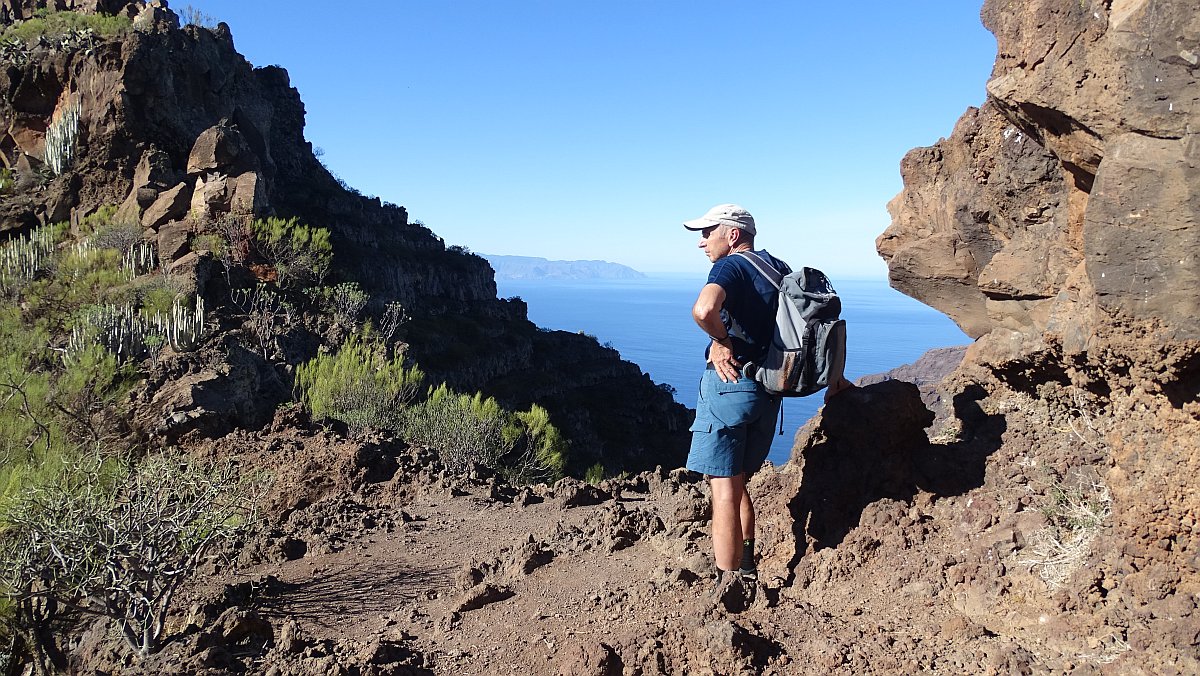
(715, 242)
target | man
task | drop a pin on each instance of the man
(735, 416)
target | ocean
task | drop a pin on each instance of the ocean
(649, 322)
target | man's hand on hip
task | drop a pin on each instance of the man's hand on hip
(728, 368)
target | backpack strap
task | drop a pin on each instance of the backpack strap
(762, 266)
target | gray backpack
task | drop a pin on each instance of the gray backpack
(808, 350)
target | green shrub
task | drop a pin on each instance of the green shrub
(299, 254)
(539, 450)
(26, 416)
(59, 24)
(595, 474)
(49, 404)
(211, 242)
(157, 295)
(358, 386)
(464, 429)
(82, 276)
(468, 430)
(102, 217)
(7, 181)
(343, 302)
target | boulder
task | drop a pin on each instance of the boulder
(171, 205)
(191, 273)
(219, 148)
(865, 445)
(154, 170)
(173, 241)
(248, 194)
(211, 195)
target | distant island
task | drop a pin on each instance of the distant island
(528, 267)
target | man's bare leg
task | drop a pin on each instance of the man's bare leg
(747, 513)
(731, 507)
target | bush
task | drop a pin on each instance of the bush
(7, 181)
(113, 538)
(211, 242)
(595, 474)
(468, 430)
(465, 430)
(190, 16)
(344, 302)
(358, 386)
(158, 295)
(59, 24)
(299, 254)
(1075, 515)
(539, 452)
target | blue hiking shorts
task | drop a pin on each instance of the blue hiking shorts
(734, 426)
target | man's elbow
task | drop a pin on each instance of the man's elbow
(702, 312)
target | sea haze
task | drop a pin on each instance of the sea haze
(649, 322)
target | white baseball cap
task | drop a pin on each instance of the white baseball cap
(730, 215)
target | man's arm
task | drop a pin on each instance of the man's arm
(707, 313)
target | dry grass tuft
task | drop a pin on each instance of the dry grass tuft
(1075, 517)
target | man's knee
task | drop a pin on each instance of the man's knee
(728, 491)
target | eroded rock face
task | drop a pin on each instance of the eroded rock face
(1059, 225)
(1068, 199)
(985, 187)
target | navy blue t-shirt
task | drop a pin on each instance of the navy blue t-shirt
(749, 309)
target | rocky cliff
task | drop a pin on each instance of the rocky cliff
(179, 130)
(1058, 225)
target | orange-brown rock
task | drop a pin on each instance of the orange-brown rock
(1059, 225)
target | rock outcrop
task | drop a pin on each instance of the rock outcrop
(1059, 225)
(1067, 201)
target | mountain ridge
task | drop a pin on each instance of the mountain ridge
(532, 267)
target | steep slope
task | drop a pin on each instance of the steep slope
(181, 131)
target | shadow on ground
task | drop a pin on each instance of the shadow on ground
(869, 444)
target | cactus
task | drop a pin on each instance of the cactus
(139, 259)
(60, 138)
(125, 332)
(119, 329)
(23, 258)
(184, 328)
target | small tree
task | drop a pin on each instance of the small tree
(539, 448)
(116, 539)
(299, 253)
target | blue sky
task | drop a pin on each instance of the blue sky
(578, 129)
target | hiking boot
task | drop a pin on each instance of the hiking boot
(732, 592)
